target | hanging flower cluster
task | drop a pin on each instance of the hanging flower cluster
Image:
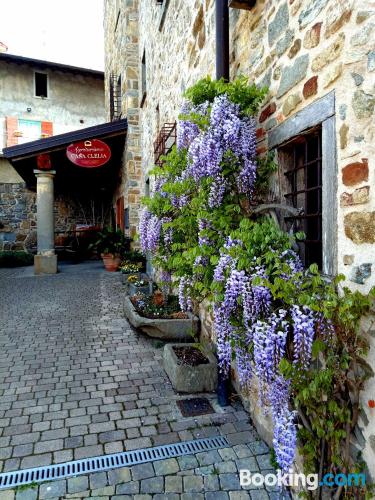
(267, 333)
(229, 137)
(149, 231)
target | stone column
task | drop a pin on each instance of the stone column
(45, 262)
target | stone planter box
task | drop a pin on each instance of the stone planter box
(132, 289)
(181, 329)
(191, 379)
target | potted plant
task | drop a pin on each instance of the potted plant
(135, 257)
(138, 286)
(110, 244)
(128, 268)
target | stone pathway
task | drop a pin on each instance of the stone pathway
(78, 381)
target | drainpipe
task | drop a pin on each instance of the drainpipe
(222, 71)
(222, 40)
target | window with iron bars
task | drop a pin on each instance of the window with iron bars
(115, 97)
(302, 162)
(165, 140)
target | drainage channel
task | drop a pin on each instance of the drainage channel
(108, 462)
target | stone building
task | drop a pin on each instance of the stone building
(40, 99)
(317, 57)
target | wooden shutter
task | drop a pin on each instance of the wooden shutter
(11, 128)
(47, 129)
(120, 219)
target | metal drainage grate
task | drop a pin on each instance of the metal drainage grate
(107, 462)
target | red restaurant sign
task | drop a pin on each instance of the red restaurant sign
(89, 154)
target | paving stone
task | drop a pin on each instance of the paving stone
(228, 466)
(227, 454)
(239, 495)
(243, 451)
(208, 457)
(264, 461)
(27, 494)
(165, 467)
(121, 475)
(106, 491)
(187, 462)
(216, 495)
(130, 488)
(229, 482)
(152, 485)
(173, 484)
(211, 482)
(192, 496)
(193, 484)
(249, 463)
(76, 484)
(259, 495)
(98, 480)
(166, 496)
(52, 489)
(142, 471)
(7, 495)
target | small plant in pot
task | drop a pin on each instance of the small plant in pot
(129, 269)
(110, 244)
(138, 286)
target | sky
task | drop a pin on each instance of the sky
(64, 31)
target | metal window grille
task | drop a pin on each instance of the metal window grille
(165, 140)
(115, 97)
(304, 179)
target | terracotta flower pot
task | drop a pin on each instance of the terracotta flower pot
(111, 262)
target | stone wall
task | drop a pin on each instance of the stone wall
(302, 50)
(122, 59)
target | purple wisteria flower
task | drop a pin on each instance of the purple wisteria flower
(184, 297)
(244, 365)
(304, 322)
(225, 262)
(285, 439)
(149, 231)
(269, 345)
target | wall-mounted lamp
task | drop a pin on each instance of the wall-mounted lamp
(242, 4)
(28, 110)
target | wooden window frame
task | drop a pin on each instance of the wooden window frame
(321, 112)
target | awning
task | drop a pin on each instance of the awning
(70, 177)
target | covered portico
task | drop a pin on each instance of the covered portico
(84, 164)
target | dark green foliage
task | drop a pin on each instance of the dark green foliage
(15, 259)
(111, 241)
(249, 97)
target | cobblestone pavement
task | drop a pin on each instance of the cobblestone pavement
(77, 381)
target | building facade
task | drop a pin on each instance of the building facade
(317, 58)
(39, 99)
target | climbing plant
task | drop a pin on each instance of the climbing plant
(293, 331)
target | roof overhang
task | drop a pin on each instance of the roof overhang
(70, 177)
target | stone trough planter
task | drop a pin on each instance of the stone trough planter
(181, 329)
(186, 378)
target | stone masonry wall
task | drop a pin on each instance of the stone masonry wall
(300, 49)
(122, 58)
